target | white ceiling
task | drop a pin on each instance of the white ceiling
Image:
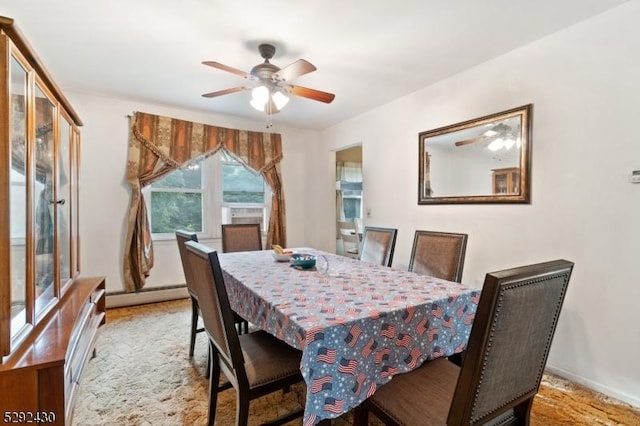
(367, 52)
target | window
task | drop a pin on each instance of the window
(243, 194)
(177, 202)
(351, 200)
(204, 195)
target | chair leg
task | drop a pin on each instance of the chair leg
(207, 373)
(360, 416)
(523, 411)
(214, 380)
(242, 409)
(194, 325)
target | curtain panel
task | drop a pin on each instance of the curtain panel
(158, 145)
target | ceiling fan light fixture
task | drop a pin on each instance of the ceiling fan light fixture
(273, 83)
(259, 97)
(280, 100)
(259, 105)
(260, 93)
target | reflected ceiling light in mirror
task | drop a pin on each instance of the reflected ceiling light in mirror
(508, 143)
(496, 144)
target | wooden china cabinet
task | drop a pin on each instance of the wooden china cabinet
(506, 181)
(49, 314)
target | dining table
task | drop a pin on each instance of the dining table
(358, 324)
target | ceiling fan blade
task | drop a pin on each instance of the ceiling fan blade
(469, 141)
(296, 69)
(227, 68)
(316, 95)
(225, 92)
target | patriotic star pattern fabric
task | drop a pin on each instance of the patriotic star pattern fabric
(357, 324)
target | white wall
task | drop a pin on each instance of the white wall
(105, 193)
(584, 84)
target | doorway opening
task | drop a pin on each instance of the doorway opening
(349, 191)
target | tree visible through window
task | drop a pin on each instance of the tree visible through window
(241, 185)
(176, 202)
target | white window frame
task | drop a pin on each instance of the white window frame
(212, 204)
(266, 206)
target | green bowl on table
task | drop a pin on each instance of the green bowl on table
(302, 260)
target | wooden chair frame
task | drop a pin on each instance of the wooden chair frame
(182, 237)
(228, 231)
(228, 349)
(460, 241)
(505, 359)
(393, 234)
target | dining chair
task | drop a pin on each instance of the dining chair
(182, 237)
(378, 245)
(256, 363)
(506, 355)
(350, 239)
(241, 237)
(438, 254)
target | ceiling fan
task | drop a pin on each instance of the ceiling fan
(269, 93)
(500, 130)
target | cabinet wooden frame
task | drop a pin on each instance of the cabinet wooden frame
(49, 314)
(15, 50)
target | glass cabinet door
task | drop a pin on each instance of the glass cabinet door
(64, 201)
(75, 196)
(514, 187)
(18, 195)
(44, 198)
(500, 184)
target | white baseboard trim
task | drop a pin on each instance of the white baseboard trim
(118, 300)
(598, 387)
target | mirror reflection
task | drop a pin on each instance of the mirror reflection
(485, 160)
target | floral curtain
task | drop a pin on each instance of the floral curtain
(158, 145)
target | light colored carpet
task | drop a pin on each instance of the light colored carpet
(142, 375)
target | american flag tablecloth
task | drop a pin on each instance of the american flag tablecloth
(357, 324)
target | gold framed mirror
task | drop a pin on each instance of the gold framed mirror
(484, 160)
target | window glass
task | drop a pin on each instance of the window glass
(351, 200)
(201, 197)
(188, 178)
(241, 185)
(177, 202)
(176, 210)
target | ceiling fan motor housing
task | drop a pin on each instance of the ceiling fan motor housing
(265, 70)
(267, 50)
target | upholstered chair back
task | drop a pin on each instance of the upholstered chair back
(438, 254)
